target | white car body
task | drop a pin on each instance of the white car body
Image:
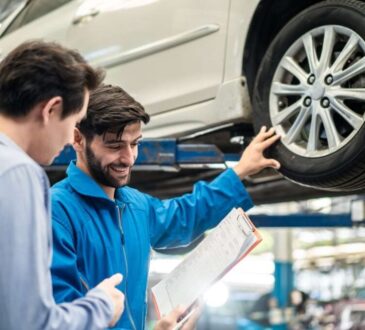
(181, 59)
(227, 67)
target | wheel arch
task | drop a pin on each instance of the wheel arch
(270, 16)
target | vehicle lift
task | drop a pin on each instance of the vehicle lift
(172, 156)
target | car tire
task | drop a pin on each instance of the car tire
(308, 89)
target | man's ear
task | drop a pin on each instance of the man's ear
(79, 140)
(51, 108)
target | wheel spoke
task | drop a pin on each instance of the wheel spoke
(333, 138)
(286, 113)
(313, 139)
(342, 76)
(327, 48)
(297, 126)
(311, 53)
(346, 52)
(319, 80)
(293, 67)
(286, 89)
(354, 119)
(347, 93)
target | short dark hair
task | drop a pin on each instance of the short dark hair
(110, 110)
(36, 71)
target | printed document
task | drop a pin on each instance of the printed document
(223, 248)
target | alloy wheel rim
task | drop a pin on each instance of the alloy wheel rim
(317, 95)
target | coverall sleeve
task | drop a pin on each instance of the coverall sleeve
(25, 280)
(178, 221)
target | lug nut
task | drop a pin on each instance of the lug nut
(311, 79)
(307, 101)
(325, 102)
(328, 80)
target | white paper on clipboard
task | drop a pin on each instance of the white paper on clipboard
(223, 248)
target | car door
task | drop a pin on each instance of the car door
(166, 53)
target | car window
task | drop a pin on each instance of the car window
(35, 9)
(8, 7)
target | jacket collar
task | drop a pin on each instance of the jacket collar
(86, 185)
(7, 141)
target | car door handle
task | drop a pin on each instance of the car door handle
(86, 16)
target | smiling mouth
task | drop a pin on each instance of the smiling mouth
(120, 170)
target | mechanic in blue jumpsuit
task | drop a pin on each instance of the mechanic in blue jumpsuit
(102, 227)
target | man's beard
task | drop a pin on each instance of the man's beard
(100, 174)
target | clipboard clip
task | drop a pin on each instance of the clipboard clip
(245, 224)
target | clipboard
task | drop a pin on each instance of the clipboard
(226, 245)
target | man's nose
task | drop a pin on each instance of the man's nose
(128, 156)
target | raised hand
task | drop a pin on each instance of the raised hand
(253, 160)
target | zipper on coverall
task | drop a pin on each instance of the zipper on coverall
(119, 211)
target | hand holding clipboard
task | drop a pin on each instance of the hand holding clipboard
(219, 252)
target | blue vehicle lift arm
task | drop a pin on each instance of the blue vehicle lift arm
(157, 154)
